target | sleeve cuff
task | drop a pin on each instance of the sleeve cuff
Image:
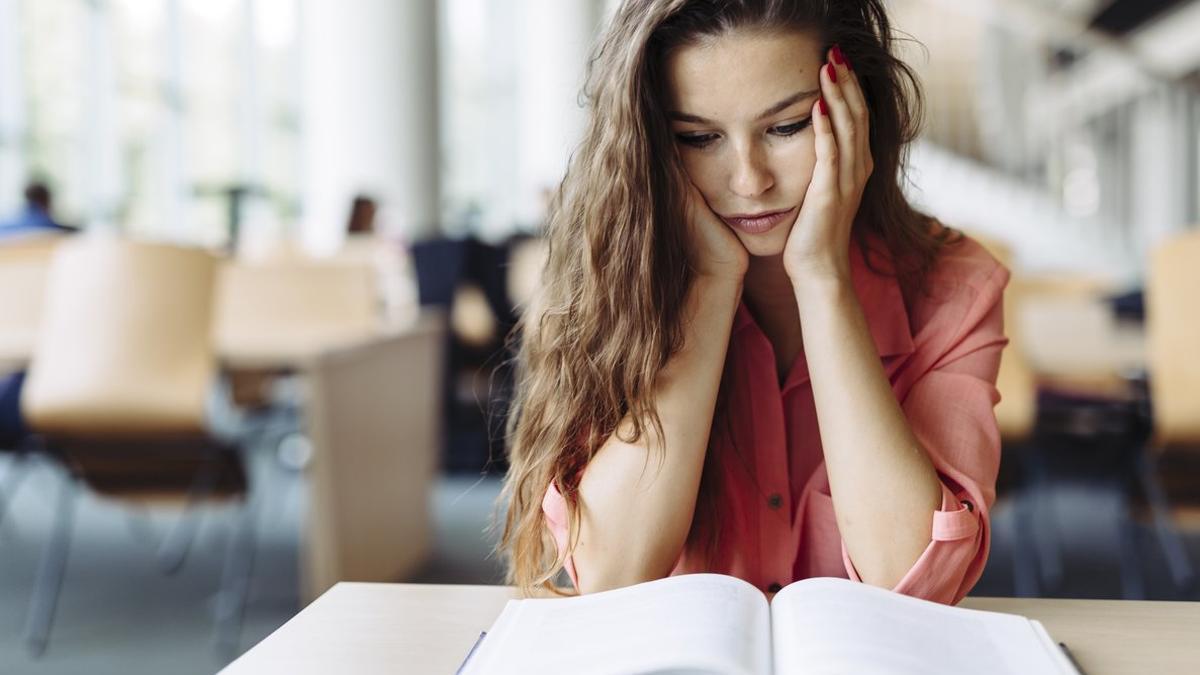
(955, 520)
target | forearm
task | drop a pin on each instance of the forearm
(636, 512)
(885, 489)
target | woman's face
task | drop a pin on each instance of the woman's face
(740, 107)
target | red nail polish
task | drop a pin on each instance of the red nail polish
(824, 108)
(838, 57)
(832, 73)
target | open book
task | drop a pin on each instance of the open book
(704, 624)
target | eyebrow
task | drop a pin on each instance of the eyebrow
(778, 107)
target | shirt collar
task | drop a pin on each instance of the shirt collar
(881, 299)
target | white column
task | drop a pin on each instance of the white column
(499, 207)
(258, 227)
(552, 52)
(175, 192)
(12, 108)
(103, 176)
(369, 115)
(1158, 182)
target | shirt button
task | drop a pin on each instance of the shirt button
(774, 588)
(775, 501)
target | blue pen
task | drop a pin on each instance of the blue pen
(473, 648)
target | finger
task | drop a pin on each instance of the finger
(695, 204)
(826, 170)
(700, 211)
(697, 197)
(856, 100)
(844, 129)
(851, 90)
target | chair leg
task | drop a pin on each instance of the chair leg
(140, 527)
(1133, 583)
(1182, 573)
(235, 581)
(1044, 535)
(1129, 553)
(53, 568)
(16, 473)
(1024, 560)
(173, 550)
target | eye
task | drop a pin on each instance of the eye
(696, 140)
(793, 128)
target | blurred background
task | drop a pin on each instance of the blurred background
(258, 259)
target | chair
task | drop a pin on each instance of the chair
(297, 307)
(23, 265)
(395, 278)
(287, 310)
(369, 411)
(32, 247)
(1173, 334)
(117, 392)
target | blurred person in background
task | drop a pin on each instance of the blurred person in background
(362, 216)
(36, 217)
(750, 354)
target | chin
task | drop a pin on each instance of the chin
(765, 245)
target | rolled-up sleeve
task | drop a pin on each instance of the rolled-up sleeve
(950, 409)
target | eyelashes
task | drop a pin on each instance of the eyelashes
(696, 140)
(783, 131)
(793, 128)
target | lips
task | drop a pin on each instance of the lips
(758, 223)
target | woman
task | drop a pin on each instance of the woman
(738, 290)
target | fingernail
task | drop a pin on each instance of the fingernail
(821, 104)
(832, 74)
(838, 57)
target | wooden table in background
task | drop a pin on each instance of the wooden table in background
(413, 628)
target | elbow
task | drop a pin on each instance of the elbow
(888, 578)
(601, 581)
(597, 573)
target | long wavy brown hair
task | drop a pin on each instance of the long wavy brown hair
(608, 317)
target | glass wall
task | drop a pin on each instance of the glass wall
(157, 118)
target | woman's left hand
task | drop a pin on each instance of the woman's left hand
(819, 243)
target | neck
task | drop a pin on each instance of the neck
(767, 290)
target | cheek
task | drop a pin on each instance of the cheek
(704, 170)
(792, 166)
(795, 164)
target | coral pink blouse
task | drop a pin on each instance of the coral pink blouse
(941, 356)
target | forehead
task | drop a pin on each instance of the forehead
(736, 75)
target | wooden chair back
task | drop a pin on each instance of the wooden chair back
(293, 308)
(1173, 338)
(124, 346)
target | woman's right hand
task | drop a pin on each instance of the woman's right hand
(719, 252)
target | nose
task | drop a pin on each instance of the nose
(751, 175)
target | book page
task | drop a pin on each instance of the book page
(829, 625)
(695, 623)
